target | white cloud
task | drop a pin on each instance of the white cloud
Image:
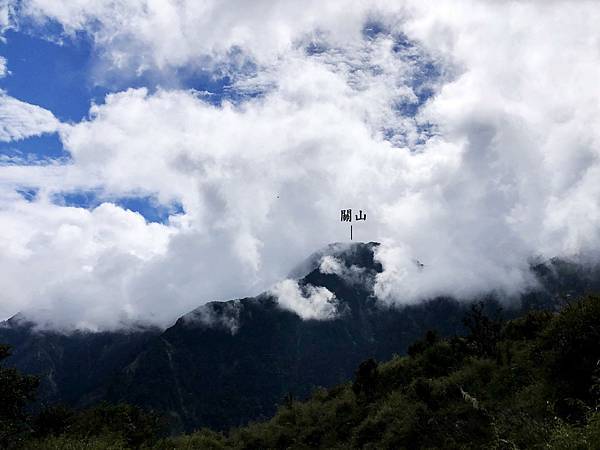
(71, 265)
(317, 303)
(331, 265)
(19, 120)
(510, 169)
(352, 274)
(3, 67)
(175, 33)
(5, 17)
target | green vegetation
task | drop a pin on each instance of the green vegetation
(16, 391)
(532, 382)
(102, 427)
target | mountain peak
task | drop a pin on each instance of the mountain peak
(360, 254)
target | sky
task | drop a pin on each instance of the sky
(159, 154)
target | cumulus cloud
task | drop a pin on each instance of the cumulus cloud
(310, 302)
(72, 266)
(19, 120)
(468, 132)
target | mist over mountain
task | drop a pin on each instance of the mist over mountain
(226, 363)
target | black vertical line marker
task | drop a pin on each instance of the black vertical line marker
(350, 232)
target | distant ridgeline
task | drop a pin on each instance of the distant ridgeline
(227, 363)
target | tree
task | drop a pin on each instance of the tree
(123, 423)
(16, 390)
(366, 378)
(484, 332)
(572, 358)
(52, 421)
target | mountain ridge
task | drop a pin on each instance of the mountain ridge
(226, 363)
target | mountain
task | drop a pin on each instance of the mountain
(227, 363)
(210, 374)
(73, 368)
(531, 382)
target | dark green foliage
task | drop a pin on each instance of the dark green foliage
(572, 345)
(124, 426)
(484, 332)
(52, 421)
(104, 426)
(420, 346)
(529, 383)
(532, 382)
(204, 439)
(16, 390)
(365, 384)
(127, 423)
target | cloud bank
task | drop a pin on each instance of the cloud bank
(468, 132)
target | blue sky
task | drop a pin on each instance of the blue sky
(56, 77)
(57, 72)
(61, 74)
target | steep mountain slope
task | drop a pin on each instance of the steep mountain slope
(226, 363)
(205, 375)
(528, 383)
(73, 368)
